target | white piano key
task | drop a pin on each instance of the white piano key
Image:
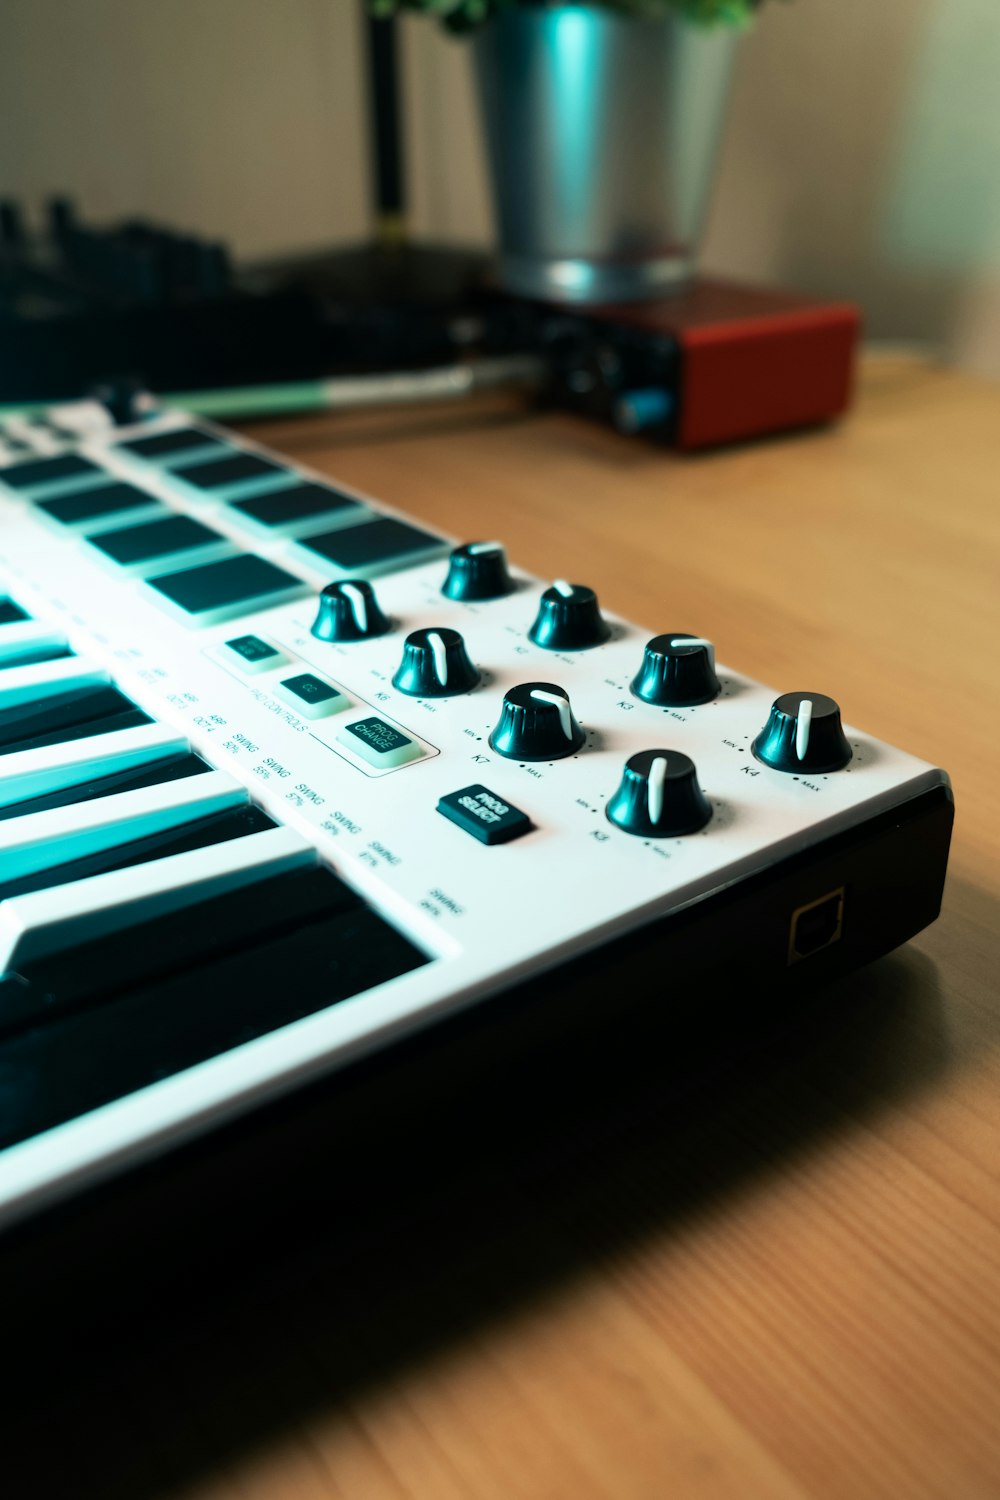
(41, 841)
(49, 768)
(44, 679)
(25, 637)
(51, 921)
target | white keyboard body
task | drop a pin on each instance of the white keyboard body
(486, 916)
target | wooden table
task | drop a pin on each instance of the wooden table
(798, 1294)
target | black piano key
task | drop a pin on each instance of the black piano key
(31, 655)
(177, 941)
(72, 1063)
(215, 828)
(74, 715)
(170, 768)
(11, 613)
(21, 1003)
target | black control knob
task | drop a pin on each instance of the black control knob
(348, 611)
(678, 671)
(125, 399)
(435, 665)
(569, 618)
(659, 796)
(478, 570)
(803, 734)
(536, 723)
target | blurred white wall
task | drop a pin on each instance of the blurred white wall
(861, 157)
(239, 118)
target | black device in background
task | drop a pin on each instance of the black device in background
(81, 304)
(392, 320)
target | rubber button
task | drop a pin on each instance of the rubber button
(217, 472)
(224, 588)
(310, 696)
(24, 476)
(106, 500)
(486, 816)
(251, 654)
(165, 445)
(379, 743)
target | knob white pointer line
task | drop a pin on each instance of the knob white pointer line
(359, 606)
(440, 657)
(476, 549)
(562, 704)
(562, 587)
(696, 640)
(802, 726)
(654, 788)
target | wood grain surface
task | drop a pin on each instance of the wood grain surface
(790, 1288)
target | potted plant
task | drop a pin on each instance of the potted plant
(602, 123)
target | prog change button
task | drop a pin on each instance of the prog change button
(486, 816)
(379, 743)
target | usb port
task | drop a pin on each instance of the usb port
(817, 925)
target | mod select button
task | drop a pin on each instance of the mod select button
(486, 816)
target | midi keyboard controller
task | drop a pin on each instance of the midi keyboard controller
(285, 776)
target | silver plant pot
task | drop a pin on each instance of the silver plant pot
(602, 133)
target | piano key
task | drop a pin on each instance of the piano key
(174, 767)
(52, 650)
(52, 920)
(28, 641)
(47, 679)
(11, 613)
(213, 828)
(73, 761)
(81, 1060)
(172, 943)
(41, 841)
(73, 715)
